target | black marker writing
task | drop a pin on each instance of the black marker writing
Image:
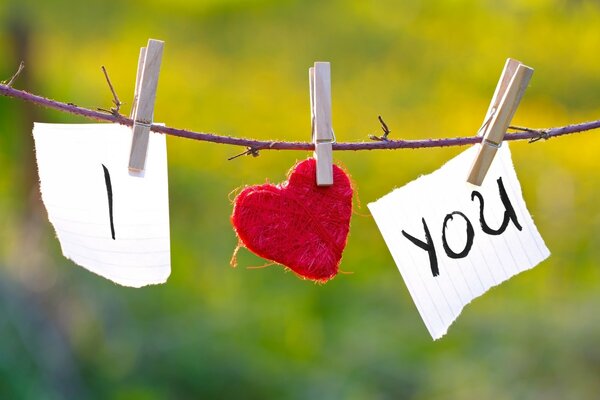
(427, 246)
(509, 213)
(470, 235)
(110, 200)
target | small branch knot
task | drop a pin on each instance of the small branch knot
(539, 133)
(250, 151)
(542, 134)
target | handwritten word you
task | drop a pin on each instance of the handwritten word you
(429, 246)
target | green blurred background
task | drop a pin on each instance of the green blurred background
(239, 68)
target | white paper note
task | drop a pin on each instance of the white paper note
(108, 221)
(473, 252)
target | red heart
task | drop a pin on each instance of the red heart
(297, 223)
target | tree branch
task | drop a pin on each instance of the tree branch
(256, 145)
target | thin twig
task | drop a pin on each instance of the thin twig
(384, 128)
(521, 128)
(16, 75)
(116, 101)
(250, 151)
(280, 145)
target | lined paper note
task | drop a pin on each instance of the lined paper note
(108, 221)
(452, 241)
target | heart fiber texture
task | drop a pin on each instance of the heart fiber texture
(296, 223)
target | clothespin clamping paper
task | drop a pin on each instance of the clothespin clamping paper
(509, 91)
(143, 103)
(322, 131)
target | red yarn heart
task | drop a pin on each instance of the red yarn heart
(297, 223)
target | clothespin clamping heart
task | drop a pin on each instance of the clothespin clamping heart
(322, 131)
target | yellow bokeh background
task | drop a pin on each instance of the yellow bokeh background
(239, 68)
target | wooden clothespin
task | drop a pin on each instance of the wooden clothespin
(143, 104)
(322, 131)
(509, 91)
(138, 79)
